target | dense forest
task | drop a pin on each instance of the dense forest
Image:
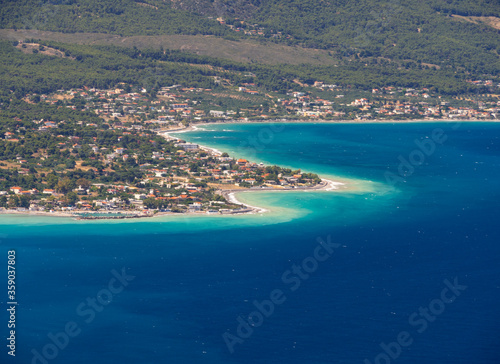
(88, 66)
(126, 17)
(399, 30)
(104, 67)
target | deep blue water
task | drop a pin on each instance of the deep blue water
(395, 245)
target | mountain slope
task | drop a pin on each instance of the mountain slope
(422, 32)
(403, 31)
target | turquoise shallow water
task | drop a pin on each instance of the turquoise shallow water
(196, 278)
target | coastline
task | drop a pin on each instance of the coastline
(76, 214)
(230, 195)
(166, 134)
(325, 185)
(193, 126)
(36, 213)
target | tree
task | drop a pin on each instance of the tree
(83, 182)
(13, 201)
(125, 199)
(52, 180)
(71, 198)
(70, 163)
(24, 201)
(150, 203)
(65, 185)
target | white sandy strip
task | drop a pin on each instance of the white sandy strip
(167, 133)
(259, 210)
(191, 128)
(213, 150)
(185, 130)
(331, 185)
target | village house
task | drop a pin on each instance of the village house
(16, 190)
(187, 146)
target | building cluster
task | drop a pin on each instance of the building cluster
(243, 27)
(169, 102)
(176, 103)
(487, 83)
(388, 103)
(187, 180)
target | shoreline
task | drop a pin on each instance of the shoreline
(193, 126)
(166, 134)
(76, 214)
(324, 185)
(230, 195)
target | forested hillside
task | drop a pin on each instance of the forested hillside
(402, 29)
(126, 17)
(424, 32)
(104, 66)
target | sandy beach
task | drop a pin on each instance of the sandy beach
(194, 125)
(36, 213)
(187, 129)
(230, 195)
(325, 185)
(76, 213)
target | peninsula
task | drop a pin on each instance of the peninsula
(96, 169)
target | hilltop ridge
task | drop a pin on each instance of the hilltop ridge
(424, 32)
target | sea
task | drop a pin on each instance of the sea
(399, 264)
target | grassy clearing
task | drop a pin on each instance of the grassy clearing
(491, 21)
(241, 51)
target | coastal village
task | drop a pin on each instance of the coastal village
(199, 183)
(168, 175)
(174, 104)
(123, 164)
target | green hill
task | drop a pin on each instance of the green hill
(125, 17)
(401, 30)
(366, 43)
